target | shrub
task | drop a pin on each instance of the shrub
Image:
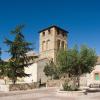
(67, 87)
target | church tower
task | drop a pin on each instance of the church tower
(52, 39)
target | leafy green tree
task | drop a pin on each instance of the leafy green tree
(61, 61)
(18, 49)
(1, 66)
(86, 61)
(75, 62)
(49, 69)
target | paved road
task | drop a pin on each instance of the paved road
(45, 94)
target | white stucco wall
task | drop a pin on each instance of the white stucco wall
(36, 71)
(32, 69)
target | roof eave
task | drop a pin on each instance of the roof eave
(51, 27)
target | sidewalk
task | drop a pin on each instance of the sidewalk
(11, 93)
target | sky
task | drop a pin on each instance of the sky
(80, 17)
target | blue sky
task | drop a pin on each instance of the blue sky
(80, 17)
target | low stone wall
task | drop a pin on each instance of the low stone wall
(83, 80)
(16, 87)
(4, 88)
(23, 86)
(57, 83)
(53, 83)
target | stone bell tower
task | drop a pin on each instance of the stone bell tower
(52, 39)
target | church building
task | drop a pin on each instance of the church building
(51, 40)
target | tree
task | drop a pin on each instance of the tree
(3, 68)
(1, 65)
(51, 70)
(18, 49)
(75, 62)
(61, 61)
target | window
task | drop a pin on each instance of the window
(58, 32)
(97, 76)
(63, 34)
(43, 45)
(49, 31)
(62, 44)
(43, 34)
(48, 44)
(58, 44)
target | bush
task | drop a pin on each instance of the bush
(67, 87)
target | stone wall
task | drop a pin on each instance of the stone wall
(17, 87)
(83, 80)
(53, 83)
(59, 83)
(52, 34)
(4, 88)
(40, 73)
(23, 86)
